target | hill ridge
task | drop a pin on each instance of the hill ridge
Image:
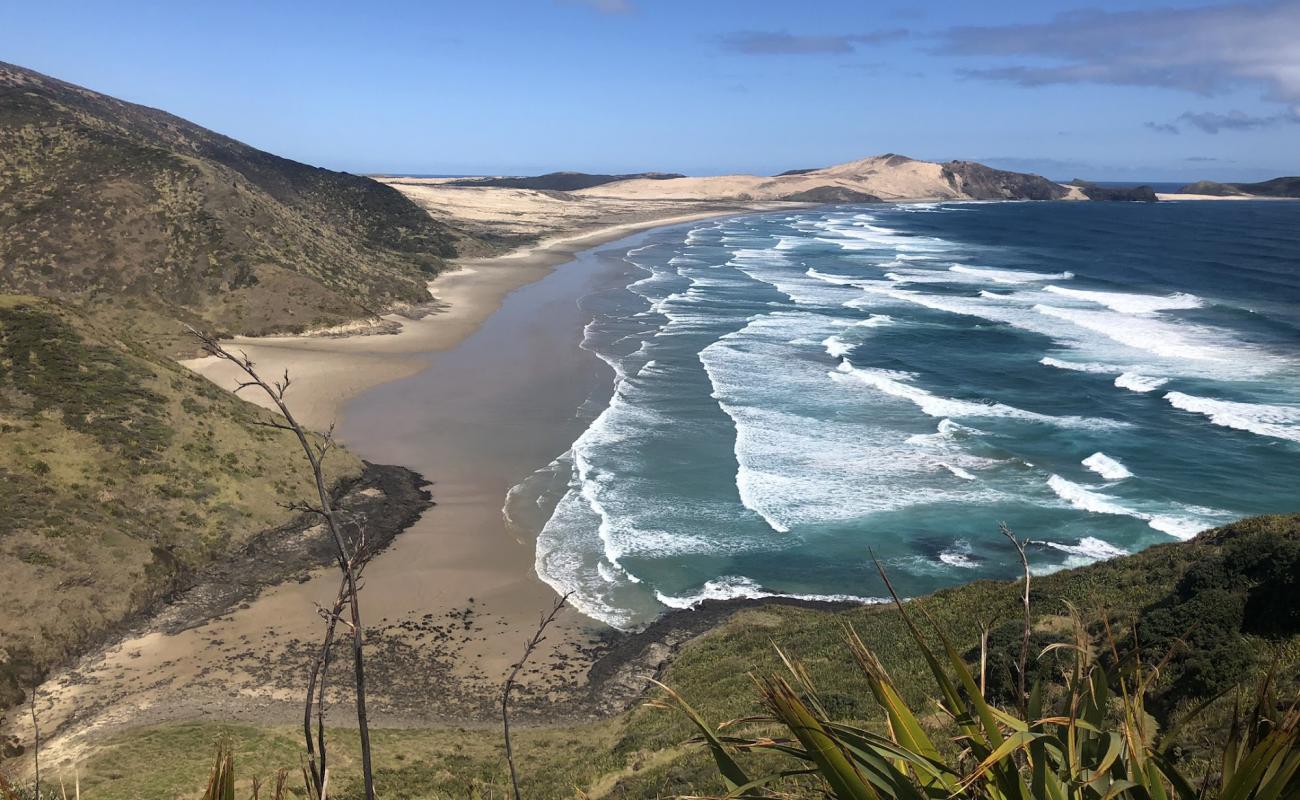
(145, 217)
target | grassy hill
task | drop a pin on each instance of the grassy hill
(1230, 592)
(147, 219)
(120, 475)
(1276, 187)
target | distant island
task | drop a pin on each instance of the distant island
(1277, 187)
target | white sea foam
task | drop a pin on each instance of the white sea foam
(862, 235)
(1087, 500)
(1088, 550)
(1009, 275)
(732, 587)
(838, 346)
(697, 235)
(957, 471)
(1127, 303)
(1091, 548)
(1107, 467)
(1178, 525)
(1103, 337)
(946, 431)
(960, 554)
(774, 268)
(896, 384)
(1279, 422)
(1139, 383)
(805, 454)
(808, 452)
(834, 280)
(1077, 366)
(1165, 339)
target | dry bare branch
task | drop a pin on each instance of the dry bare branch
(1023, 661)
(347, 557)
(529, 647)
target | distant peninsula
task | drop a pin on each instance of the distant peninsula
(1277, 187)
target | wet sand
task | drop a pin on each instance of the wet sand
(452, 600)
(329, 371)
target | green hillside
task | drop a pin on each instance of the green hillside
(1276, 187)
(147, 219)
(121, 473)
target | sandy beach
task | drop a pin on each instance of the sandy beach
(328, 371)
(474, 397)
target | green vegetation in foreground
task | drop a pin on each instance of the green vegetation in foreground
(147, 219)
(121, 473)
(1245, 572)
(1091, 739)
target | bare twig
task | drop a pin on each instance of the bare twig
(36, 746)
(984, 658)
(1023, 662)
(316, 692)
(529, 647)
(349, 558)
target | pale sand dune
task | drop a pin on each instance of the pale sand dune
(889, 177)
(500, 213)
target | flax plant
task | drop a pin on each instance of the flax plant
(1096, 742)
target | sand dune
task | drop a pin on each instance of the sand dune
(887, 177)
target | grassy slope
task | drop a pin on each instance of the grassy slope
(120, 471)
(148, 218)
(640, 753)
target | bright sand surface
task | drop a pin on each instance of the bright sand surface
(329, 371)
(474, 397)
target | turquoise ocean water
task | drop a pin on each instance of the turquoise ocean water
(794, 391)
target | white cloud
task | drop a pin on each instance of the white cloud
(1206, 50)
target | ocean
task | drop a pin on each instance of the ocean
(795, 394)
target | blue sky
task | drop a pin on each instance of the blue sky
(1105, 90)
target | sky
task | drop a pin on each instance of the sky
(1123, 90)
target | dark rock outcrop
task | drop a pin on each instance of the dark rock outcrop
(986, 183)
(1212, 188)
(1140, 194)
(831, 194)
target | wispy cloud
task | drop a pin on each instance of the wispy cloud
(603, 6)
(1163, 127)
(769, 43)
(1205, 50)
(1214, 122)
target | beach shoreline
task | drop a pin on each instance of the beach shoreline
(328, 371)
(448, 601)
